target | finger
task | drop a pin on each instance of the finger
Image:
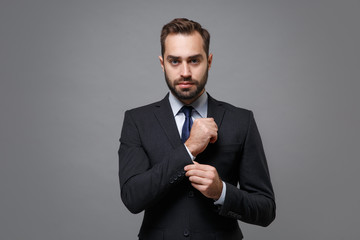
(201, 188)
(200, 181)
(214, 123)
(199, 173)
(203, 167)
(213, 139)
(192, 166)
(197, 186)
(189, 167)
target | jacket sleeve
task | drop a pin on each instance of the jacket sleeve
(254, 201)
(142, 184)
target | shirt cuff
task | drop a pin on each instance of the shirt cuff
(221, 200)
(191, 156)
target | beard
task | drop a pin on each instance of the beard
(187, 93)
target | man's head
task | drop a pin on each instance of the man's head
(185, 27)
(185, 58)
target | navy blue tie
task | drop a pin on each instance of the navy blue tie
(187, 124)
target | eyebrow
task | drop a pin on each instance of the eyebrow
(171, 57)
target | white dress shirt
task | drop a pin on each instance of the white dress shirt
(200, 107)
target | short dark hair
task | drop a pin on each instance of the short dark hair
(184, 26)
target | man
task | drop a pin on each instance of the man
(182, 164)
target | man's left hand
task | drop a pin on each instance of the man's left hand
(205, 178)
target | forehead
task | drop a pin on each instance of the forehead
(184, 45)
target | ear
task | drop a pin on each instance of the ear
(161, 62)
(210, 57)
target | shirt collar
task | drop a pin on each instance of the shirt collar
(200, 105)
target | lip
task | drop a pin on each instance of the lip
(185, 84)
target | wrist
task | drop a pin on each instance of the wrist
(191, 148)
(221, 199)
(190, 154)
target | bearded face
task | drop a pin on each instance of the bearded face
(185, 65)
(187, 88)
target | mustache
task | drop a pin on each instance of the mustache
(188, 80)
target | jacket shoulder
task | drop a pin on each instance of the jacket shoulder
(146, 109)
(143, 108)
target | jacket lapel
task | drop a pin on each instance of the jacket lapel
(164, 115)
(215, 110)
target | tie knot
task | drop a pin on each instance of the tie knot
(187, 110)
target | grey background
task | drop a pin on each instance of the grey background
(69, 70)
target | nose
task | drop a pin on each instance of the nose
(185, 70)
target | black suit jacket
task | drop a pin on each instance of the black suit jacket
(152, 177)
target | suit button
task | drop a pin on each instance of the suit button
(191, 194)
(186, 233)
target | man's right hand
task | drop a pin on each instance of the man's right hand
(203, 131)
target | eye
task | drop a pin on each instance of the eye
(194, 61)
(174, 62)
